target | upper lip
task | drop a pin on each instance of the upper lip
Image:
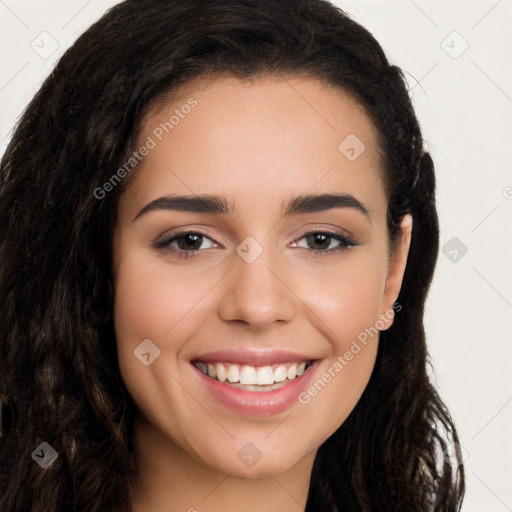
(252, 357)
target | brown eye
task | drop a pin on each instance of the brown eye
(190, 241)
(320, 242)
(185, 244)
(319, 239)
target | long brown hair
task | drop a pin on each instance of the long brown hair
(57, 345)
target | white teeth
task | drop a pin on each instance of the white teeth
(220, 369)
(211, 370)
(233, 373)
(280, 374)
(248, 375)
(292, 371)
(264, 376)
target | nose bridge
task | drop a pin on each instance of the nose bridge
(256, 292)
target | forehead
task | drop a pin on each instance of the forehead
(268, 137)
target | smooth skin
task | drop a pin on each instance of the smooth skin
(257, 144)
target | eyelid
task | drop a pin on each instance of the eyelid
(178, 232)
(163, 241)
(330, 231)
(346, 241)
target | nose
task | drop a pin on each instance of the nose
(257, 294)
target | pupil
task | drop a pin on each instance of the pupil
(189, 238)
(318, 237)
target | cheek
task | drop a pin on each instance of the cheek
(347, 297)
(156, 302)
(347, 306)
(152, 298)
(151, 305)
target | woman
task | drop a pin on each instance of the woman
(173, 337)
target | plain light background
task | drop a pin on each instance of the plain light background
(457, 59)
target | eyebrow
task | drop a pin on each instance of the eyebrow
(310, 203)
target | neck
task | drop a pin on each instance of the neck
(170, 479)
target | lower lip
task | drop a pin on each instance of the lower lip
(257, 403)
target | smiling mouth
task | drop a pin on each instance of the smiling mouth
(254, 378)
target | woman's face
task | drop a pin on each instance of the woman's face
(268, 283)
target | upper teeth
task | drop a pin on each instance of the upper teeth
(251, 375)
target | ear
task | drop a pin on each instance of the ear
(396, 272)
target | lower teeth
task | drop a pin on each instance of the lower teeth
(249, 387)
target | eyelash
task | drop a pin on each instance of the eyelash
(164, 244)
